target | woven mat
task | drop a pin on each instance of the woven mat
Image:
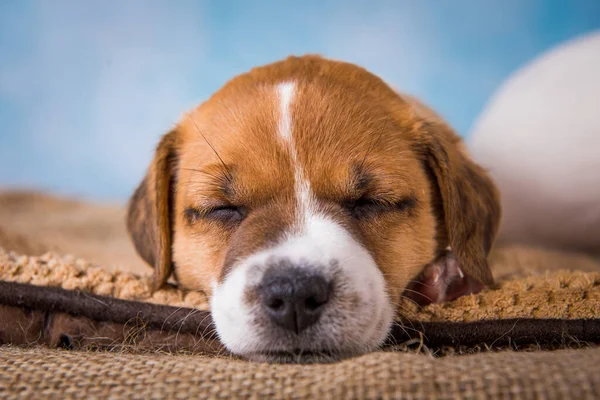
(564, 374)
(530, 284)
(67, 302)
(533, 285)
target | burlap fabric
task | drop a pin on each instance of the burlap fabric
(531, 284)
(43, 373)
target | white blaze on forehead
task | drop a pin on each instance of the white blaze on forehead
(286, 92)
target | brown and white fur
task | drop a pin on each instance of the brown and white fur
(311, 173)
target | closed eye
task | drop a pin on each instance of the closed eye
(225, 214)
(366, 207)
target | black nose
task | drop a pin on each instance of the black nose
(293, 298)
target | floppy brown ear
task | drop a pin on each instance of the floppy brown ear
(470, 200)
(149, 211)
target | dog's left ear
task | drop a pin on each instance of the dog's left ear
(470, 200)
(149, 219)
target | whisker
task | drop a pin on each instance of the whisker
(404, 311)
(411, 301)
(204, 172)
(200, 324)
(181, 322)
(420, 282)
(400, 324)
(169, 316)
(208, 326)
(419, 293)
(229, 174)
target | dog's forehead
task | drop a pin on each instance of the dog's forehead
(340, 135)
(267, 127)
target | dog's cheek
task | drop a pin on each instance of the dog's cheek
(198, 259)
(402, 247)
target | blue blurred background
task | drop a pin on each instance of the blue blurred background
(88, 87)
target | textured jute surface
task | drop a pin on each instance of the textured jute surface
(539, 292)
(528, 286)
(531, 284)
(35, 315)
(42, 373)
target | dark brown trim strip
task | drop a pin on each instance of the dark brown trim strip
(494, 333)
(103, 308)
(501, 332)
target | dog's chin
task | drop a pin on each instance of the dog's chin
(299, 356)
(309, 349)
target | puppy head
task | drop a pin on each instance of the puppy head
(304, 197)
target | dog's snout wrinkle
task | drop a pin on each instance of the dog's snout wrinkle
(294, 298)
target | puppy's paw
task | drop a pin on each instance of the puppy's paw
(442, 280)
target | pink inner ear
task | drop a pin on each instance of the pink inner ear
(443, 280)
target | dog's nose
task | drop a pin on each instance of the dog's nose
(294, 298)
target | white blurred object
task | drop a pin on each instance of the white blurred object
(540, 139)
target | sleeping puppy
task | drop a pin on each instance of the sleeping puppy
(306, 197)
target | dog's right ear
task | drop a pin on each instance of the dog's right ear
(149, 219)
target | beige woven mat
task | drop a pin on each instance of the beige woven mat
(531, 284)
(42, 373)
